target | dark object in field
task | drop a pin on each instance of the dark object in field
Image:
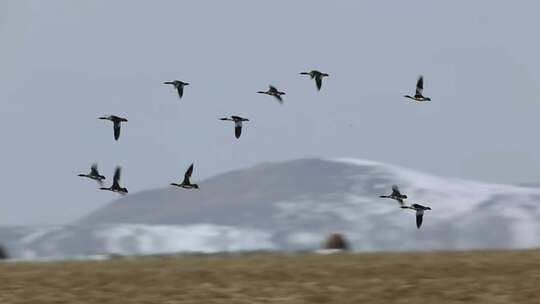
(3, 253)
(336, 241)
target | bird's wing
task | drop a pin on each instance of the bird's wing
(116, 127)
(180, 89)
(279, 98)
(395, 190)
(420, 86)
(116, 178)
(94, 170)
(419, 217)
(187, 175)
(318, 81)
(238, 128)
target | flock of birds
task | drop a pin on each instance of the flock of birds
(400, 198)
(238, 122)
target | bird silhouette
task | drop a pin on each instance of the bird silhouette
(419, 89)
(419, 213)
(317, 75)
(179, 85)
(272, 91)
(237, 124)
(94, 174)
(395, 195)
(116, 120)
(116, 183)
(186, 183)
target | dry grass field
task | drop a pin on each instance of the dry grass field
(447, 277)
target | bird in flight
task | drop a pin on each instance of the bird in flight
(116, 120)
(419, 89)
(94, 174)
(419, 212)
(186, 183)
(179, 85)
(317, 75)
(272, 91)
(116, 183)
(395, 195)
(237, 124)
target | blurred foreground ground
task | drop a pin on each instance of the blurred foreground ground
(447, 277)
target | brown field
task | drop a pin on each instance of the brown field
(458, 277)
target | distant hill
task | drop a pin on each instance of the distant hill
(296, 205)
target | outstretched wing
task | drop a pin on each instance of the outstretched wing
(116, 178)
(94, 170)
(395, 191)
(419, 217)
(180, 89)
(187, 175)
(420, 86)
(116, 126)
(238, 128)
(318, 81)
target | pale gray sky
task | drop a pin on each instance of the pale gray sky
(64, 63)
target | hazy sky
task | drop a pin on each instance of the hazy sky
(64, 63)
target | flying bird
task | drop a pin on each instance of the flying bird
(186, 183)
(94, 174)
(179, 85)
(419, 89)
(317, 75)
(237, 124)
(419, 212)
(116, 183)
(272, 91)
(395, 195)
(116, 120)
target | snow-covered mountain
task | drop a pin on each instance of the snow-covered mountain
(294, 205)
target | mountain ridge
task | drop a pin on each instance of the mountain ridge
(295, 205)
